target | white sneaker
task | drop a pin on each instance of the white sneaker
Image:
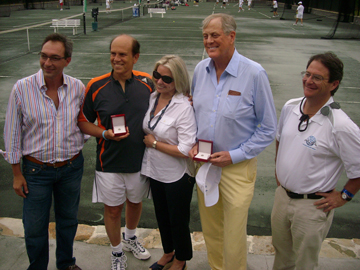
(118, 263)
(294, 24)
(301, 24)
(135, 247)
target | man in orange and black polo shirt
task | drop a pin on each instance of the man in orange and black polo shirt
(119, 158)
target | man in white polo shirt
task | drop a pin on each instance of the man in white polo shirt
(299, 13)
(315, 142)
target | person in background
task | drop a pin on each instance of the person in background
(249, 4)
(315, 142)
(108, 5)
(61, 2)
(240, 5)
(275, 7)
(299, 13)
(234, 109)
(41, 129)
(118, 159)
(170, 129)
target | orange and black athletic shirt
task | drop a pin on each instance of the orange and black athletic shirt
(105, 97)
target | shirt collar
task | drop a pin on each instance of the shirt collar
(128, 80)
(233, 66)
(318, 117)
(40, 80)
(177, 98)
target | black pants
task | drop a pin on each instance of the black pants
(172, 209)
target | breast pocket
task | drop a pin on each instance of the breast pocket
(231, 104)
(166, 128)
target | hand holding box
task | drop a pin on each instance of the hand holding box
(205, 151)
(119, 124)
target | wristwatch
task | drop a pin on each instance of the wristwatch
(346, 195)
(154, 144)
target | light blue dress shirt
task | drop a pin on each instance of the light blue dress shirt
(238, 113)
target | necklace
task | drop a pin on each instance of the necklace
(152, 113)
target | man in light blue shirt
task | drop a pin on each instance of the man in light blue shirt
(234, 109)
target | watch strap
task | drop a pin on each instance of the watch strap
(349, 194)
(346, 195)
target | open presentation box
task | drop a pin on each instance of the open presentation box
(119, 124)
(205, 151)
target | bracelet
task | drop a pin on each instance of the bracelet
(103, 135)
(347, 193)
(154, 144)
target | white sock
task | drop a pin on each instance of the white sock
(129, 233)
(117, 249)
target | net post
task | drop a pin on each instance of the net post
(28, 39)
(84, 23)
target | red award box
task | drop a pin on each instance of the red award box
(205, 150)
(119, 124)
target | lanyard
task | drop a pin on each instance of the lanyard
(152, 113)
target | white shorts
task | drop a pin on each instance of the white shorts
(299, 16)
(113, 189)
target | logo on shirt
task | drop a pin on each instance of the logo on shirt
(310, 142)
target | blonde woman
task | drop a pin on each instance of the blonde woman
(170, 130)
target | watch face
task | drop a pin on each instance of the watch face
(344, 196)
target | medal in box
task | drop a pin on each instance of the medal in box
(205, 151)
(119, 124)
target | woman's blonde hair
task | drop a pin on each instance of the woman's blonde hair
(178, 70)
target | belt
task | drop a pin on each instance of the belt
(294, 195)
(55, 165)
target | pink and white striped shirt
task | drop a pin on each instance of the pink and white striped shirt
(34, 126)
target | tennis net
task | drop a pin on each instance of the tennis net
(20, 41)
(114, 16)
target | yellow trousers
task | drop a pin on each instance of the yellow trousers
(224, 224)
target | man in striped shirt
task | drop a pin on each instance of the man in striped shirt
(41, 130)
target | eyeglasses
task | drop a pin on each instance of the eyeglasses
(44, 57)
(315, 78)
(166, 79)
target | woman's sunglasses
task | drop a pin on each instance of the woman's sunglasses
(166, 79)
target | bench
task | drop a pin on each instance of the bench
(157, 10)
(74, 23)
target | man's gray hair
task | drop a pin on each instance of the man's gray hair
(228, 23)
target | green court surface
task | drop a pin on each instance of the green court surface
(281, 48)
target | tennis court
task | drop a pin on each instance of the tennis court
(281, 48)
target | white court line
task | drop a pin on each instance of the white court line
(265, 15)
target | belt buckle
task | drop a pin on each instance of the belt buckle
(54, 165)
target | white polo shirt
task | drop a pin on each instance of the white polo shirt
(176, 127)
(313, 160)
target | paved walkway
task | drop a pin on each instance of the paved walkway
(92, 249)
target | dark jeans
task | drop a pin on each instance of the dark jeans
(172, 209)
(43, 183)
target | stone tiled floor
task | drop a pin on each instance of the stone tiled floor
(259, 245)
